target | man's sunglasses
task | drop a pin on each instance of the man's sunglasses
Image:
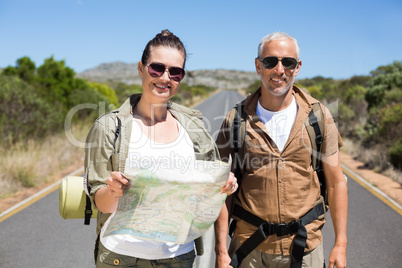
(157, 70)
(287, 62)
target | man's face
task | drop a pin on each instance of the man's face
(278, 80)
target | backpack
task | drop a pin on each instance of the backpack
(74, 201)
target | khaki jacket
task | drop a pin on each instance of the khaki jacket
(102, 156)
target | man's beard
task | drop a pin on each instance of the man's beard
(283, 91)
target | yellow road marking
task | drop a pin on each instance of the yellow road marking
(375, 191)
(29, 201)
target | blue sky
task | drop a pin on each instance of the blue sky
(338, 39)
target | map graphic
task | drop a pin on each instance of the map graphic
(171, 205)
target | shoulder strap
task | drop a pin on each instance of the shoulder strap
(237, 117)
(315, 129)
(117, 132)
(237, 133)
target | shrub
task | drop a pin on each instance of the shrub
(315, 92)
(395, 154)
(124, 91)
(86, 97)
(390, 123)
(23, 113)
(106, 91)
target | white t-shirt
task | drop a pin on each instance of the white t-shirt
(143, 149)
(278, 124)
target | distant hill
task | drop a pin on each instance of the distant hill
(127, 73)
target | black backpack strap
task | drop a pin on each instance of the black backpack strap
(238, 118)
(266, 229)
(88, 210)
(88, 204)
(238, 132)
(117, 132)
(315, 130)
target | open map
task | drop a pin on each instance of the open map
(171, 205)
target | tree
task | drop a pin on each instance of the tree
(57, 81)
(384, 97)
(10, 71)
(384, 79)
(25, 69)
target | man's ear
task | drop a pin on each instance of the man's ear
(140, 69)
(297, 70)
(258, 66)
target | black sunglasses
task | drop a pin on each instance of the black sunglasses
(157, 69)
(287, 62)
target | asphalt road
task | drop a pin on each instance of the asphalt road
(38, 237)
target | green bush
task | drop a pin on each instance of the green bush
(106, 91)
(393, 96)
(390, 128)
(375, 95)
(395, 154)
(124, 91)
(315, 92)
(88, 103)
(23, 113)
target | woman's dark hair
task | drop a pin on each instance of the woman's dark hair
(165, 39)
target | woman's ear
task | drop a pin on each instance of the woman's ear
(140, 69)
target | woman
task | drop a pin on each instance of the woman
(145, 126)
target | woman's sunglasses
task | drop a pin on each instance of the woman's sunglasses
(287, 62)
(157, 70)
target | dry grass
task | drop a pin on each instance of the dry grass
(394, 174)
(35, 163)
(374, 158)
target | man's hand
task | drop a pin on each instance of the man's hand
(231, 185)
(222, 260)
(337, 258)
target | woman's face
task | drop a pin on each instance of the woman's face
(160, 89)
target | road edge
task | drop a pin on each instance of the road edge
(35, 197)
(372, 189)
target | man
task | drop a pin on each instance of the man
(279, 186)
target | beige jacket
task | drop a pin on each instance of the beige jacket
(102, 156)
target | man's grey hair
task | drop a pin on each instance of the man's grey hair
(278, 36)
